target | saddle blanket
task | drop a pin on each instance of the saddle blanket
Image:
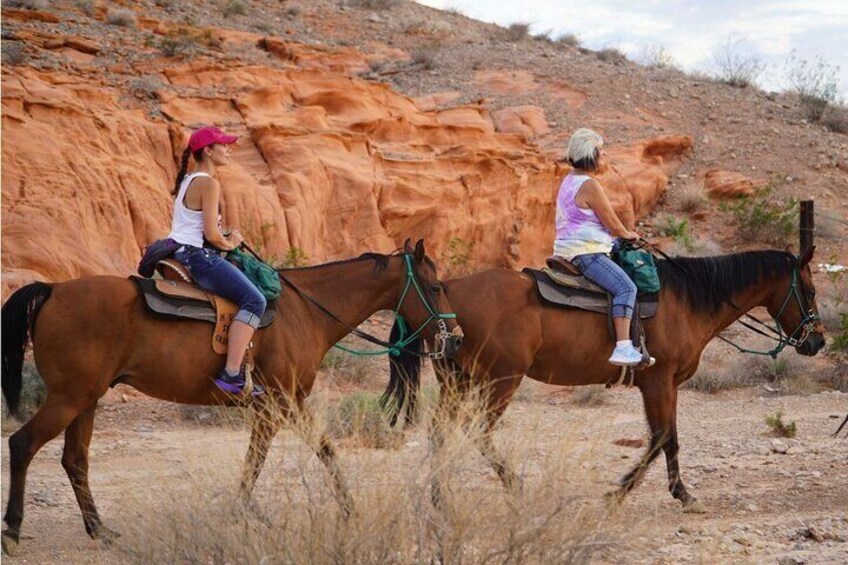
(578, 292)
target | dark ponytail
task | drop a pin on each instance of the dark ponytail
(182, 173)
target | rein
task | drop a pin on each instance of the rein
(806, 325)
(400, 345)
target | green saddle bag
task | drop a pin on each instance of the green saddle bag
(261, 274)
(640, 267)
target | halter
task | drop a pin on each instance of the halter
(805, 326)
(400, 345)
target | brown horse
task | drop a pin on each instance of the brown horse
(510, 333)
(93, 333)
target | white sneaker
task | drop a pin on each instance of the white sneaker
(625, 355)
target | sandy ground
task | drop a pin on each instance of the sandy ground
(764, 506)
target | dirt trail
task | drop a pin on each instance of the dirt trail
(763, 505)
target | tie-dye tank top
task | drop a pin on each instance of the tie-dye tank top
(578, 230)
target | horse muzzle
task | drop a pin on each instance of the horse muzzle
(812, 345)
(454, 342)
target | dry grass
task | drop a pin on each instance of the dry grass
(200, 520)
(691, 197)
(517, 32)
(425, 56)
(785, 375)
(835, 118)
(611, 55)
(120, 17)
(590, 395)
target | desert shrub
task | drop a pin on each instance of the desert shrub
(544, 36)
(815, 82)
(713, 381)
(234, 8)
(145, 86)
(373, 4)
(459, 253)
(295, 257)
(691, 197)
(179, 42)
(835, 118)
(27, 4)
(13, 53)
(657, 57)
(778, 427)
(735, 64)
(694, 247)
(589, 395)
(425, 56)
(569, 39)
(762, 218)
(120, 17)
(360, 417)
(85, 6)
(33, 393)
(292, 11)
(347, 366)
(611, 55)
(517, 31)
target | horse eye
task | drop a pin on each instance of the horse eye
(436, 289)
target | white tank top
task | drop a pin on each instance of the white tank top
(187, 224)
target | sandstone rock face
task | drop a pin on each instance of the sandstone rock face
(328, 164)
(728, 184)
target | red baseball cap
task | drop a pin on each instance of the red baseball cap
(209, 135)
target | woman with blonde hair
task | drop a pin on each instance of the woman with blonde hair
(585, 227)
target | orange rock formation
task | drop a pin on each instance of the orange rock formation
(328, 164)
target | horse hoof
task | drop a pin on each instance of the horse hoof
(695, 507)
(10, 544)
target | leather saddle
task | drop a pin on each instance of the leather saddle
(561, 284)
(175, 296)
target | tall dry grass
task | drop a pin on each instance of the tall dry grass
(295, 518)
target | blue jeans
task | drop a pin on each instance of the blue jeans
(217, 275)
(601, 270)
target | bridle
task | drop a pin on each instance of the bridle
(806, 326)
(442, 334)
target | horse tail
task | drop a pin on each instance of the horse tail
(404, 379)
(19, 315)
(842, 425)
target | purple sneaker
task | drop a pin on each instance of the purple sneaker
(235, 385)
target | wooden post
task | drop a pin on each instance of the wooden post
(807, 226)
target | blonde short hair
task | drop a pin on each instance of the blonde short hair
(583, 148)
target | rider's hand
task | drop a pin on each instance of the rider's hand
(630, 235)
(235, 238)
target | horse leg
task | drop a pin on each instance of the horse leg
(498, 399)
(327, 454)
(660, 399)
(75, 462)
(53, 417)
(266, 422)
(675, 483)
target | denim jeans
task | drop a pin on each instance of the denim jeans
(217, 275)
(601, 270)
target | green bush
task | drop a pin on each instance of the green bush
(678, 229)
(295, 257)
(778, 427)
(359, 417)
(761, 218)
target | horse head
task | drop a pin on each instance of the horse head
(425, 302)
(797, 311)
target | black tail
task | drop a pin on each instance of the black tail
(404, 379)
(842, 425)
(19, 314)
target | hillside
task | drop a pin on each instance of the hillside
(362, 127)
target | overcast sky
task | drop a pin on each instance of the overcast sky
(688, 30)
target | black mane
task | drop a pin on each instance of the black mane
(707, 283)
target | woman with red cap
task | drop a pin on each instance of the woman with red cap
(196, 226)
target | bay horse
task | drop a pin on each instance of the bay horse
(92, 333)
(510, 333)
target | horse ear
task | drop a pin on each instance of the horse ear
(419, 251)
(807, 257)
(407, 246)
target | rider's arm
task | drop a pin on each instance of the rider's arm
(210, 191)
(593, 196)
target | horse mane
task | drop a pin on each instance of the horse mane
(707, 283)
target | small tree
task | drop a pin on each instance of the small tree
(735, 64)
